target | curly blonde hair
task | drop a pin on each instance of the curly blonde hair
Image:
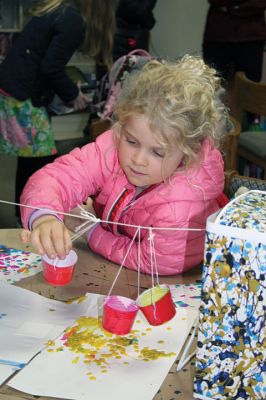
(181, 101)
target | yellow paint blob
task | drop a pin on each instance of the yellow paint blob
(97, 348)
(152, 295)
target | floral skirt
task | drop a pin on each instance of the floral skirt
(25, 130)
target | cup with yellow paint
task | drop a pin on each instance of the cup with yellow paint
(157, 304)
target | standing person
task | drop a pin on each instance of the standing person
(157, 167)
(234, 40)
(134, 21)
(34, 70)
(234, 37)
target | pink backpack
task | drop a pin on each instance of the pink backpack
(111, 84)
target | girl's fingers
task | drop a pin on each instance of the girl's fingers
(47, 246)
(67, 241)
(36, 243)
(25, 236)
(89, 201)
(58, 240)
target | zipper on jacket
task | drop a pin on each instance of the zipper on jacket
(112, 208)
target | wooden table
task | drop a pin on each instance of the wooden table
(95, 274)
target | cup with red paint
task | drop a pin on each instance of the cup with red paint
(59, 272)
(119, 314)
(157, 305)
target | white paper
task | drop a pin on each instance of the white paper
(60, 372)
(6, 371)
(28, 320)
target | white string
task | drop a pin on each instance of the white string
(154, 259)
(55, 261)
(122, 264)
(98, 220)
(91, 220)
(84, 230)
(139, 261)
(88, 224)
(185, 357)
(150, 238)
(151, 235)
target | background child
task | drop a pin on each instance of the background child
(34, 70)
(158, 167)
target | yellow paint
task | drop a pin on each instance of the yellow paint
(92, 345)
(50, 343)
(76, 300)
(152, 295)
(152, 354)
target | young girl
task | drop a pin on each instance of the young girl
(34, 70)
(157, 167)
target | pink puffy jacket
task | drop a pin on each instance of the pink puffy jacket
(94, 170)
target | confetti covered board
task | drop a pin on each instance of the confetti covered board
(103, 365)
(17, 264)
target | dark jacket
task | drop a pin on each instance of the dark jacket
(234, 21)
(134, 20)
(35, 66)
(136, 12)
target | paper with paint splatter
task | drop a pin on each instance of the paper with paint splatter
(186, 295)
(28, 321)
(17, 264)
(88, 362)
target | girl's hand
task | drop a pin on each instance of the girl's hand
(81, 101)
(48, 236)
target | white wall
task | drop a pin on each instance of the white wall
(179, 27)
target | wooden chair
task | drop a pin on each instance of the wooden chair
(229, 144)
(99, 126)
(250, 96)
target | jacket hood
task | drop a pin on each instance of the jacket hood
(204, 182)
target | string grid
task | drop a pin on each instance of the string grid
(90, 220)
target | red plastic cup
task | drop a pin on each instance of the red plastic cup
(119, 314)
(59, 272)
(157, 305)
